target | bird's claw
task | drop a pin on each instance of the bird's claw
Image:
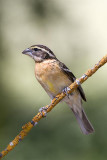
(43, 111)
(65, 90)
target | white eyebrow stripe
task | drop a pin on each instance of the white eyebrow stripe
(45, 51)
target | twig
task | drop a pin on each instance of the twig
(27, 127)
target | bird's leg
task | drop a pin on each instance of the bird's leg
(43, 110)
(65, 90)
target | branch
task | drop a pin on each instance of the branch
(42, 113)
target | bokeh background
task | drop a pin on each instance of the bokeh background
(76, 31)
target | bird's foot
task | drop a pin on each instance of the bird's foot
(43, 111)
(65, 90)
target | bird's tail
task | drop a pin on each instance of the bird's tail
(84, 123)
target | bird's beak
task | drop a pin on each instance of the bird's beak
(28, 52)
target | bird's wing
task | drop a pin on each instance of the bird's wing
(72, 78)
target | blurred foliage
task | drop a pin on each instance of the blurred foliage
(44, 10)
(77, 32)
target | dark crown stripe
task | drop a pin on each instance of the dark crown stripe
(46, 48)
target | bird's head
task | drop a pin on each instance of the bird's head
(39, 53)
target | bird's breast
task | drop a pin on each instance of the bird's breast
(51, 77)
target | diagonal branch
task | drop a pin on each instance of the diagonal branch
(27, 127)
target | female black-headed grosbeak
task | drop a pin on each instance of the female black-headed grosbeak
(55, 77)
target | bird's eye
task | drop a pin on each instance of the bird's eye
(35, 49)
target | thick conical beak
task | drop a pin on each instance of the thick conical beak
(28, 52)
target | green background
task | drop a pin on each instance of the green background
(76, 31)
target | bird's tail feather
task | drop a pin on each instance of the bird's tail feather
(84, 123)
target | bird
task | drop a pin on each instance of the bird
(55, 77)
